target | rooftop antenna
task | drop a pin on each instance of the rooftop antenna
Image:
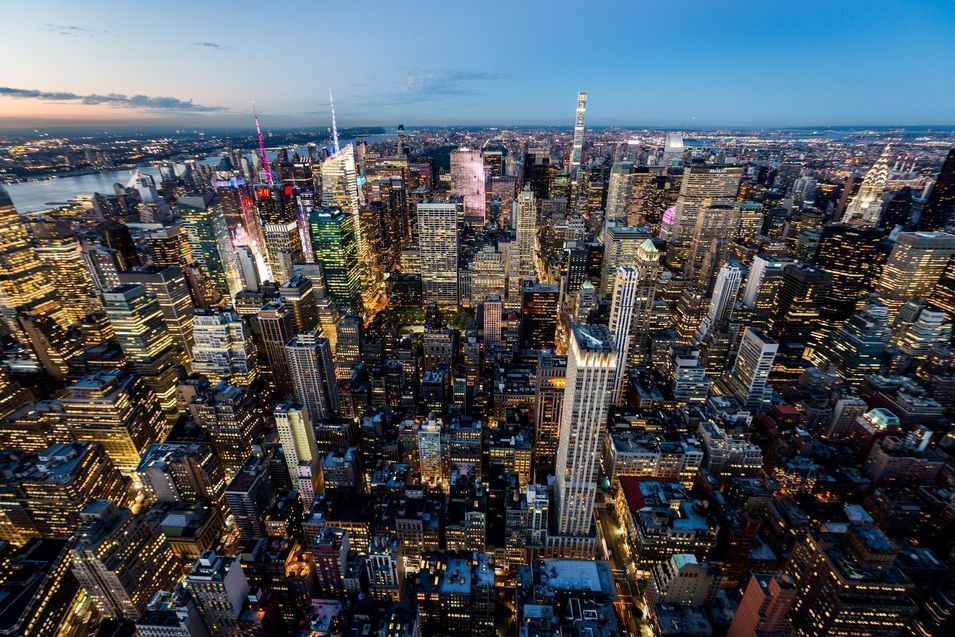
(265, 160)
(334, 126)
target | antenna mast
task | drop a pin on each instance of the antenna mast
(334, 126)
(265, 160)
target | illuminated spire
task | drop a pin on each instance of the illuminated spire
(265, 160)
(866, 206)
(334, 125)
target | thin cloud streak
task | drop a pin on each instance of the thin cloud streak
(212, 45)
(143, 102)
(74, 30)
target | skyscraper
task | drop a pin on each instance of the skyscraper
(592, 363)
(222, 348)
(210, 243)
(277, 326)
(852, 257)
(939, 210)
(297, 435)
(335, 248)
(468, 182)
(313, 374)
(523, 256)
(622, 310)
(724, 297)
(168, 285)
(748, 380)
(59, 251)
(492, 321)
(866, 206)
(219, 588)
(141, 331)
(915, 265)
(702, 188)
(438, 250)
(539, 316)
(576, 153)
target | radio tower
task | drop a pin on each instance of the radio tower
(334, 126)
(265, 160)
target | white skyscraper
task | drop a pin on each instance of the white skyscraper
(312, 369)
(576, 154)
(673, 150)
(438, 251)
(748, 381)
(866, 206)
(702, 187)
(623, 303)
(297, 437)
(223, 348)
(248, 270)
(724, 296)
(468, 181)
(591, 366)
(522, 261)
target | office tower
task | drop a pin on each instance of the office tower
(488, 274)
(851, 255)
(621, 245)
(673, 150)
(312, 369)
(748, 380)
(723, 299)
(250, 494)
(618, 191)
(385, 566)
(939, 210)
(438, 250)
(537, 171)
(622, 309)
(492, 321)
(168, 245)
(929, 330)
(59, 251)
(231, 417)
(23, 279)
(763, 283)
(799, 305)
(209, 242)
(576, 153)
(866, 206)
(854, 349)
(716, 226)
(765, 606)
(141, 331)
(63, 479)
(168, 285)
(182, 472)
(348, 347)
(914, 267)
(171, 614)
(102, 264)
(116, 409)
(220, 589)
(336, 250)
(248, 270)
(548, 404)
(52, 346)
(283, 241)
(118, 238)
(702, 188)
(539, 310)
(121, 560)
(430, 454)
(222, 348)
(523, 257)
(297, 435)
(468, 182)
(687, 377)
(592, 363)
(277, 324)
(297, 294)
(848, 584)
(38, 591)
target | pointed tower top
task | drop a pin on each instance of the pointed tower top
(331, 102)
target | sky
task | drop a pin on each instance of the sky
(687, 63)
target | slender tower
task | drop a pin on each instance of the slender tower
(265, 160)
(577, 153)
(622, 309)
(331, 102)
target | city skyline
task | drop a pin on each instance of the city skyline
(643, 64)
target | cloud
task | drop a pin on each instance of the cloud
(143, 102)
(212, 45)
(421, 86)
(74, 30)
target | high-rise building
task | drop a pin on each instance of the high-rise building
(492, 321)
(577, 151)
(539, 309)
(231, 417)
(622, 310)
(799, 305)
(523, 256)
(548, 403)
(763, 283)
(748, 380)
(210, 243)
(312, 369)
(852, 257)
(914, 267)
(765, 606)
(182, 472)
(116, 409)
(335, 248)
(23, 279)
(277, 325)
(121, 560)
(168, 285)
(592, 363)
(297, 435)
(854, 349)
(59, 251)
(723, 299)
(438, 250)
(702, 188)
(297, 293)
(621, 245)
(348, 347)
(219, 588)
(468, 181)
(222, 348)
(141, 331)
(939, 210)
(866, 207)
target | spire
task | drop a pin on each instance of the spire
(265, 160)
(331, 102)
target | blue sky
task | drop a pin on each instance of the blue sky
(659, 63)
